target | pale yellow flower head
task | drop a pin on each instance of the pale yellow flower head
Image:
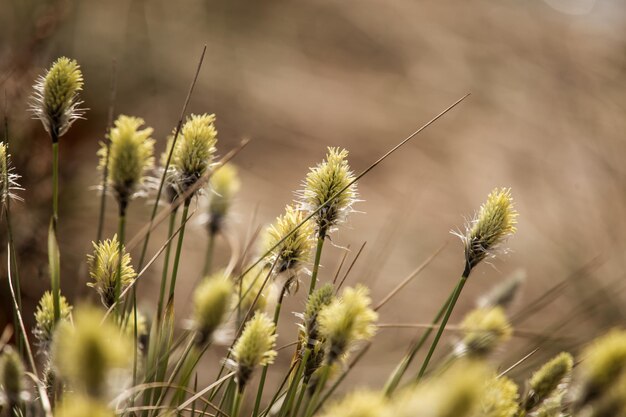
(77, 405)
(44, 318)
(295, 250)
(103, 270)
(255, 347)
(55, 99)
(325, 182)
(194, 150)
(8, 179)
(549, 379)
(346, 320)
(456, 393)
(357, 404)
(212, 300)
(500, 398)
(493, 224)
(483, 329)
(130, 156)
(88, 352)
(604, 360)
(224, 184)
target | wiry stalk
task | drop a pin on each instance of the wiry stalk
(179, 247)
(166, 263)
(316, 262)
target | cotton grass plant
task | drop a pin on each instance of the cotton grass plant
(110, 359)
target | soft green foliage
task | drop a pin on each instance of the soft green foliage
(211, 301)
(44, 318)
(11, 375)
(346, 320)
(103, 269)
(500, 398)
(330, 181)
(484, 329)
(224, 184)
(255, 346)
(547, 379)
(194, 150)
(76, 405)
(86, 352)
(358, 404)
(603, 362)
(295, 250)
(55, 100)
(130, 156)
(494, 222)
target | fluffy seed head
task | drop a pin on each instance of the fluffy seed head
(76, 405)
(603, 362)
(546, 381)
(55, 100)
(44, 318)
(484, 329)
(500, 398)
(194, 150)
(87, 353)
(11, 374)
(493, 224)
(211, 301)
(8, 179)
(346, 320)
(103, 269)
(295, 250)
(130, 156)
(452, 394)
(224, 184)
(322, 183)
(319, 299)
(504, 292)
(255, 346)
(358, 404)
(251, 286)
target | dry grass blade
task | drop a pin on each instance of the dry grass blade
(356, 257)
(516, 364)
(199, 394)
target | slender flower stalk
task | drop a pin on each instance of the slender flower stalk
(493, 224)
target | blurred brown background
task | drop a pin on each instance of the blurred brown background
(546, 117)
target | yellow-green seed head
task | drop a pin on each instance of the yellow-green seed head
(325, 182)
(346, 320)
(103, 269)
(551, 406)
(455, 393)
(500, 398)
(319, 299)
(76, 405)
(504, 292)
(55, 100)
(358, 404)
(484, 329)
(251, 286)
(130, 156)
(212, 300)
(295, 250)
(224, 184)
(612, 403)
(11, 375)
(548, 379)
(87, 353)
(255, 347)
(493, 224)
(194, 150)
(44, 318)
(603, 362)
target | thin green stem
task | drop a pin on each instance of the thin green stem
(166, 263)
(208, 260)
(55, 183)
(15, 273)
(402, 367)
(121, 231)
(312, 403)
(293, 387)
(316, 262)
(237, 402)
(444, 322)
(179, 247)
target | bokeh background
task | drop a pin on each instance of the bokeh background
(546, 117)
